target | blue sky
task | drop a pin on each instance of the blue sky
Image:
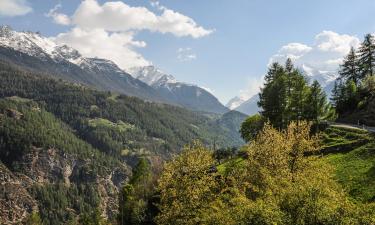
(246, 35)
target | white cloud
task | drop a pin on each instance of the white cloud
(252, 88)
(118, 16)
(118, 47)
(57, 17)
(14, 7)
(324, 56)
(108, 30)
(185, 54)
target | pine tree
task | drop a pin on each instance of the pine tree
(273, 97)
(350, 68)
(317, 108)
(367, 56)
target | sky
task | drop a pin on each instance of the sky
(224, 46)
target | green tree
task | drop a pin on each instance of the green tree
(187, 186)
(273, 96)
(251, 126)
(349, 69)
(133, 199)
(33, 219)
(367, 56)
(317, 106)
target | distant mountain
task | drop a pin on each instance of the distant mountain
(325, 78)
(249, 106)
(34, 52)
(187, 95)
(231, 121)
(235, 102)
(37, 53)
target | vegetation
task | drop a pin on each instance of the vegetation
(286, 96)
(274, 184)
(354, 160)
(353, 93)
(287, 173)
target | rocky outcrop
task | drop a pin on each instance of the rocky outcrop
(40, 167)
(15, 201)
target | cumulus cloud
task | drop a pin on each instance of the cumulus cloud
(108, 30)
(118, 16)
(324, 56)
(14, 8)
(117, 47)
(57, 17)
(185, 54)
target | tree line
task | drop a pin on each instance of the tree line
(355, 85)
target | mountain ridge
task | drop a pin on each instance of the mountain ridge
(188, 95)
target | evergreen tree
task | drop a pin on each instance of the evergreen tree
(350, 68)
(298, 98)
(273, 97)
(367, 56)
(317, 108)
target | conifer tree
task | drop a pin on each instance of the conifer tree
(350, 68)
(317, 108)
(273, 97)
(367, 56)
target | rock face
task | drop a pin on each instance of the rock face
(15, 201)
(41, 167)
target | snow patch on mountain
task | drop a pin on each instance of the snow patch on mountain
(34, 44)
(152, 75)
(235, 102)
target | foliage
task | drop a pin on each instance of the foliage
(33, 219)
(186, 187)
(251, 126)
(275, 184)
(354, 161)
(318, 108)
(135, 197)
(112, 123)
(287, 96)
(353, 93)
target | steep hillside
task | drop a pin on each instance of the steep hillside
(45, 167)
(164, 127)
(187, 95)
(352, 153)
(231, 121)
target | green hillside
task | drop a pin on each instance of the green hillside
(158, 128)
(56, 168)
(354, 160)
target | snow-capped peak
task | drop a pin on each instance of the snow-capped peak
(152, 75)
(27, 42)
(34, 44)
(235, 102)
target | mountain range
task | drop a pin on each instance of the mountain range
(35, 52)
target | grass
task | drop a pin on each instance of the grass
(120, 125)
(341, 140)
(352, 153)
(19, 99)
